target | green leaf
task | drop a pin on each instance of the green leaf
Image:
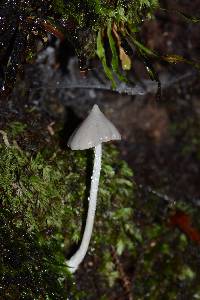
(187, 17)
(174, 59)
(102, 56)
(170, 58)
(120, 247)
(124, 182)
(115, 60)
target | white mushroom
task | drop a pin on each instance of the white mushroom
(93, 131)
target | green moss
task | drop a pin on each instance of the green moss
(93, 22)
(43, 207)
(104, 28)
(103, 10)
(30, 267)
(50, 187)
(43, 201)
(16, 128)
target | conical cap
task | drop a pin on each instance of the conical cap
(95, 129)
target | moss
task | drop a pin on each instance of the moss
(43, 207)
(43, 200)
(84, 19)
(103, 10)
(31, 268)
(106, 28)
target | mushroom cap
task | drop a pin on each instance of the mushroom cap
(94, 130)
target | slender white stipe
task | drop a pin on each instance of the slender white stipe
(93, 131)
(78, 257)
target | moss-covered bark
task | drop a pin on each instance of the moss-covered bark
(43, 203)
(78, 22)
(43, 207)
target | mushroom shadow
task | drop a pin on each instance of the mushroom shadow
(71, 122)
(88, 172)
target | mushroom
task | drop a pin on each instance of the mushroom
(93, 131)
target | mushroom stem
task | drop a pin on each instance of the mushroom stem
(78, 257)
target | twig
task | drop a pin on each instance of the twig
(53, 30)
(5, 138)
(140, 88)
(124, 278)
(50, 129)
(170, 200)
(48, 27)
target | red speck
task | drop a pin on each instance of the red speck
(183, 221)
